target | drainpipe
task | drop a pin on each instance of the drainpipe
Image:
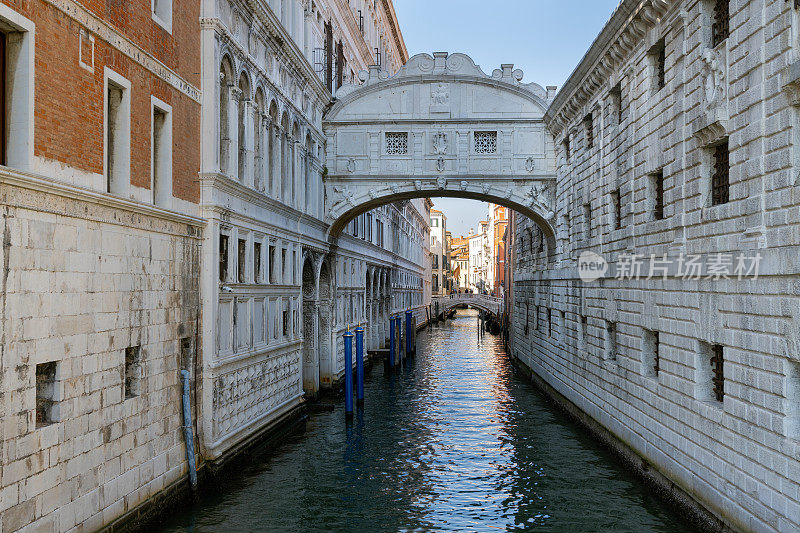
(187, 430)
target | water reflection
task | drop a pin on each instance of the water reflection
(453, 441)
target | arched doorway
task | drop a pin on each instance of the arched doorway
(310, 330)
(325, 318)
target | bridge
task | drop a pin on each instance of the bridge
(484, 302)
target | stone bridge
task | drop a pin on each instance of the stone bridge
(492, 304)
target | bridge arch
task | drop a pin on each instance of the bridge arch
(440, 127)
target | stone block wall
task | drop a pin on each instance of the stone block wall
(85, 279)
(594, 342)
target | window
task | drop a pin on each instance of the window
(132, 371)
(118, 134)
(396, 143)
(616, 209)
(650, 353)
(527, 316)
(369, 227)
(161, 160)
(272, 259)
(720, 178)
(792, 399)
(283, 267)
(294, 267)
(256, 262)
(162, 13)
(587, 220)
(566, 147)
(583, 325)
(720, 22)
(187, 354)
(588, 126)
(241, 255)
(223, 257)
(658, 60)
(710, 377)
(616, 102)
(611, 341)
(549, 322)
(46, 393)
(434, 222)
(656, 191)
(285, 318)
(485, 142)
(436, 261)
(16, 88)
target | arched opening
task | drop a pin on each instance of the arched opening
(308, 185)
(225, 86)
(242, 173)
(286, 185)
(273, 156)
(258, 140)
(325, 314)
(311, 330)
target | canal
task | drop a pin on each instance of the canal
(455, 441)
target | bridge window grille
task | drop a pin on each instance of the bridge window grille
(720, 177)
(396, 142)
(718, 378)
(720, 25)
(223, 257)
(485, 142)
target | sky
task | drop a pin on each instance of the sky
(544, 38)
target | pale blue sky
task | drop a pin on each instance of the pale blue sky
(544, 38)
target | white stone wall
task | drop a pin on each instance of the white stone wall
(86, 276)
(738, 457)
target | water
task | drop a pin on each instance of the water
(456, 441)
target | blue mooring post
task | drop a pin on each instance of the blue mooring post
(348, 373)
(408, 333)
(360, 365)
(391, 343)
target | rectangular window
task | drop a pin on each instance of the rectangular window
(396, 142)
(527, 316)
(549, 322)
(583, 325)
(717, 369)
(132, 371)
(380, 233)
(434, 223)
(46, 393)
(285, 318)
(611, 341)
(17, 66)
(118, 134)
(709, 377)
(720, 22)
(272, 259)
(436, 261)
(616, 209)
(720, 174)
(658, 61)
(587, 220)
(616, 101)
(650, 353)
(161, 159)
(241, 264)
(162, 13)
(294, 267)
(256, 262)
(284, 276)
(369, 227)
(223, 257)
(792, 399)
(566, 148)
(3, 103)
(656, 186)
(588, 125)
(485, 142)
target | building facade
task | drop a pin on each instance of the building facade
(676, 144)
(439, 262)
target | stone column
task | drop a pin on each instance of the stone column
(277, 145)
(233, 131)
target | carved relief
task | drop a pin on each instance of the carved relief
(440, 143)
(440, 95)
(441, 182)
(440, 164)
(351, 165)
(463, 185)
(713, 79)
(530, 164)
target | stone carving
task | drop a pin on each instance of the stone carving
(418, 184)
(440, 164)
(530, 164)
(463, 185)
(538, 196)
(440, 96)
(440, 143)
(373, 193)
(345, 197)
(351, 165)
(441, 182)
(395, 189)
(713, 79)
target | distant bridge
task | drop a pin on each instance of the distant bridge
(492, 304)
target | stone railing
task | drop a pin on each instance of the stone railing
(486, 302)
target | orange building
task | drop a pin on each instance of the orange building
(499, 221)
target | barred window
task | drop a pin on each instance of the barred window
(720, 176)
(720, 22)
(659, 60)
(396, 143)
(617, 207)
(657, 187)
(588, 124)
(485, 142)
(718, 379)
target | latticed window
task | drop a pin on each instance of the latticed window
(485, 142)
(720, 22)
(396, 143)
(718, 379)
(720, 177)
(588, 124)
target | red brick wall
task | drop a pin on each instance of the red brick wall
(69, 99)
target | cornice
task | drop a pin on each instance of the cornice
(625, 30)
(388, 5)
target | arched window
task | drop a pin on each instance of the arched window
(273, 155)
(258, 141)
(225, 84)
(243, 137)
